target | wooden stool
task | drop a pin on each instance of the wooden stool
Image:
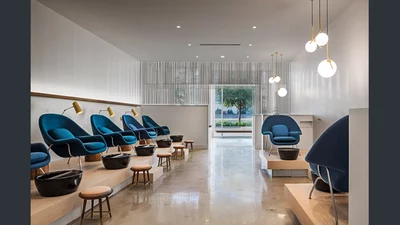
(167, 157)
(181, 151)
(187, 142)
(145, 169)
(93, 193)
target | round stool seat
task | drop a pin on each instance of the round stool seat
(95, 192)
(141, 167)
(189, 141)
(179, 146)
(164, 154)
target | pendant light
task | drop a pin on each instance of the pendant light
(277, 77)
(322, 39)
(271, 79)
(311, 45)
(282, 92)
(327, 68)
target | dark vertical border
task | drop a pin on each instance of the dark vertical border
(384, 118)
(15, 111)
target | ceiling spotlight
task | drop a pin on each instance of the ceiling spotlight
(197, 56)
(222, 56)
(189, 45)
(247, 56)
(178, 27)
(250, 45)
(254, 27)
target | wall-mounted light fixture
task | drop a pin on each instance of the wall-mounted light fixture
(109, 110)
(76, 106)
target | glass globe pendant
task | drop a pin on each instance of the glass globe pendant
(277, 79)
(282, 92)
(327, 68)
(271, 80)
(311, 46)
(321, 39)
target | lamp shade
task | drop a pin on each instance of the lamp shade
(110, 111)
(277, 79)
(282, 92)
(321, 39)
(77, 107)
(311, 46)
(327, 68)
(134, 112)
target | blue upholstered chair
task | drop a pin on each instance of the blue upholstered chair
(67, 139)
(130, 123)
(329, 158)
(282, 130)
(150, 123)
(40, 156)
(113, 135)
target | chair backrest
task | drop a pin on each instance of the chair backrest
(130, 123)
(280, 130)
(332, 148)
(57, 126)
(103, 125)
(273, 120)
(149, 122)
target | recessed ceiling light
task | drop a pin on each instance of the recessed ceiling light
(250, 45)
(222, 56)
(197, 56)
(247, 56)
(189, 44)
(178, 27)
(254, 27)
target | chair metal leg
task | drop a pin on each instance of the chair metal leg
(333, 197)
(69, 160)
(41, 170)
(313, 187)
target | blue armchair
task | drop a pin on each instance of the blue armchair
(111, 133)
(329, 158)
(40, 156)
(67, 139)
(282, 130)
(150, 123)
(130, 123)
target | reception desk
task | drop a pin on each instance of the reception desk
(305, 122)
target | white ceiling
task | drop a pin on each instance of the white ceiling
(146, 29)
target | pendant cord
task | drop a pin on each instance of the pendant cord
(319, 16)
(272, 67)
(312, 20)
(276, 63)
(327, 15)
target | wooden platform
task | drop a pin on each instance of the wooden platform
(318, 210)
(46, 210)
(279, 167)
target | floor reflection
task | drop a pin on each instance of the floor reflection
(223, 185)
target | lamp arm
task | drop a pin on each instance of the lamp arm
(67, 109)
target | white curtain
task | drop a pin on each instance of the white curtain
(187, 83)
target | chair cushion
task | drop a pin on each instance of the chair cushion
(284, 139)
(60, 133)
(129, 138)
(133, 127)
(94, 145)
(280, 130)
(105, 130)
(152, 133)
(38, 157)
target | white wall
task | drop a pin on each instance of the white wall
(331, 98)
(69, 60)
(190, 121)
(358, 167)
(41, 105)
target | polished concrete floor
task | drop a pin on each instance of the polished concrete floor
(223, 185)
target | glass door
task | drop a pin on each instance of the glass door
(233, 108)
